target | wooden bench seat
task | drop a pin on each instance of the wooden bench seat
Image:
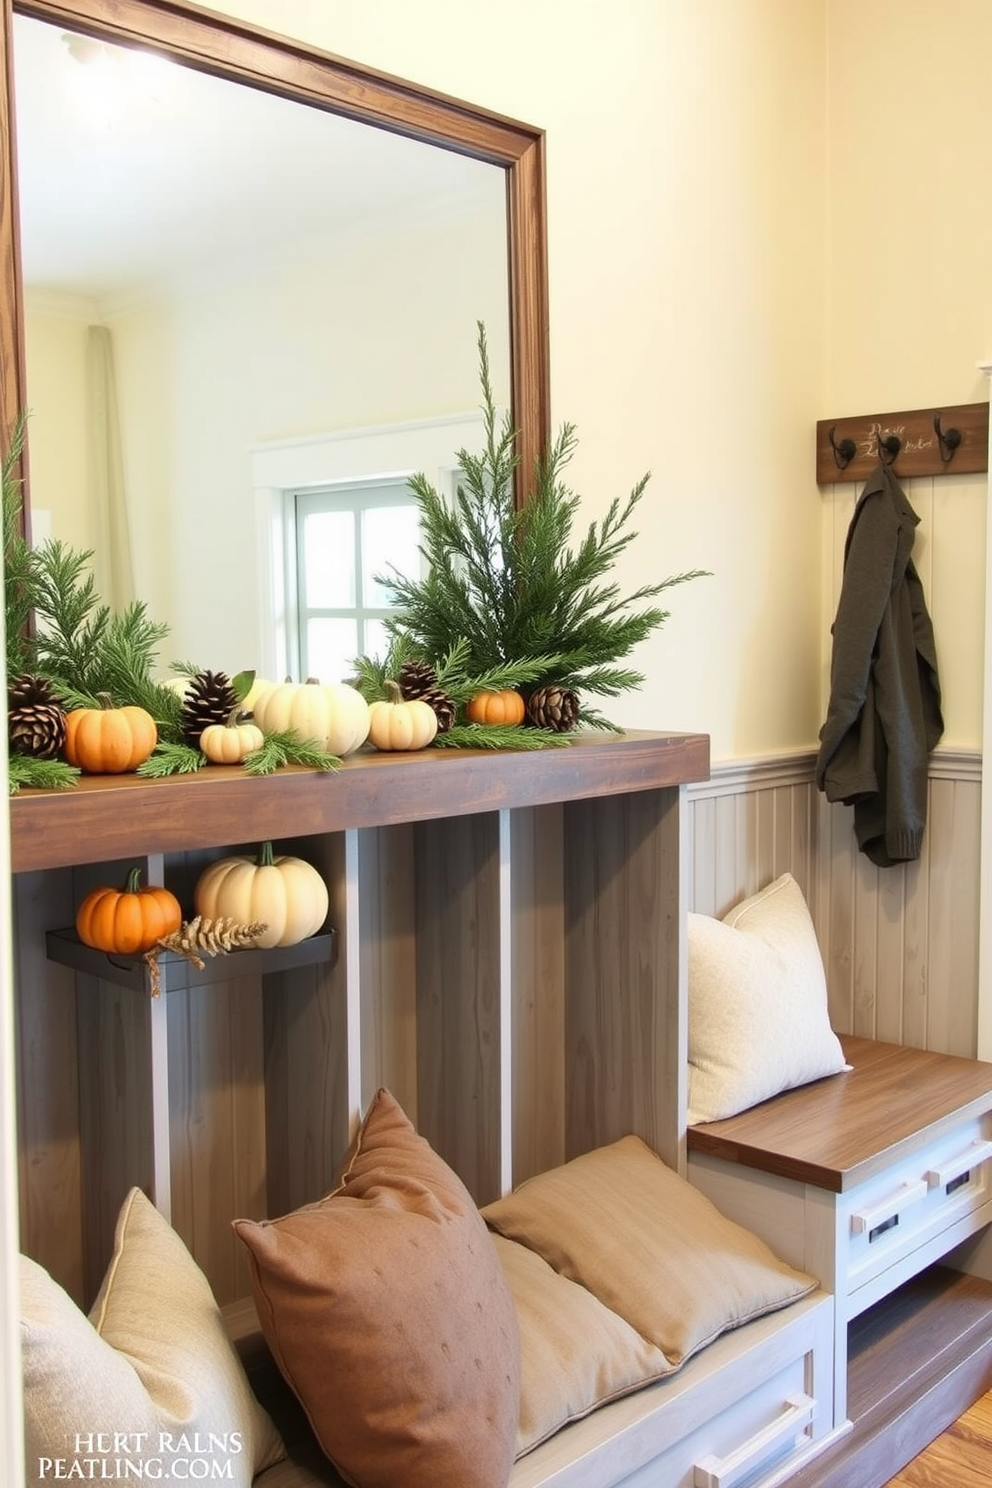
(838, 1132)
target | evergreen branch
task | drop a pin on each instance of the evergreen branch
(39, 774)
(606, 681)
(70, 697)
(502, 736)
(511, 588)
(511, 674)
(168, 758)
(592, 718)
(372, 672)
(287, 748)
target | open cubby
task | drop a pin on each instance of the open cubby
(504, 952)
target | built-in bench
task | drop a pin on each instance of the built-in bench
(866, 1179)
(753, 1406)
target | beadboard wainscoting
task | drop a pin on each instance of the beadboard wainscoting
(900, 945)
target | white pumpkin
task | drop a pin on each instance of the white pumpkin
(330, 714)
(287, 894)
(259, 686)
(395, 724)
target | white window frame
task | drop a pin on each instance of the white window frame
(355, 498)
(376, 453)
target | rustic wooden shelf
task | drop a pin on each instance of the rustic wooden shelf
(107, 817)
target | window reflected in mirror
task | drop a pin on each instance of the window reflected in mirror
(347, 540)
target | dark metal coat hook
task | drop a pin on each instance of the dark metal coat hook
(844, 452)
(888, 448)
(947, 439)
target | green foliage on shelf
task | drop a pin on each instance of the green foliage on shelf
(287, 748)
(512, 587)
(453, 670)
(498, 736)
(170, 758)
(39, 774)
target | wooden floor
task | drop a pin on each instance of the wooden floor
(959, 1458)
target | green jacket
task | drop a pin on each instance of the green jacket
(884, 714)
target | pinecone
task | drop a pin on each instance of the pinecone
(555, 708)
(210, 698)
(415, 678)
(35, 720)
(418, 679)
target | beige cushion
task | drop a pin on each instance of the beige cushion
(575, 1354)
(758, 1020)
(648, 1246)
(154, 1366)
(385, 1308)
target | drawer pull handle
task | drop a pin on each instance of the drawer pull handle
(972, 1157)
(724, 1472)
(870, 1219)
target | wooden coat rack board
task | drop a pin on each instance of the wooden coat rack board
(923, 441)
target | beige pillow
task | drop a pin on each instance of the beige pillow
(649, 1246)
(385, 1308)
(758, 1020)
(152, 1380)
(575, 1354)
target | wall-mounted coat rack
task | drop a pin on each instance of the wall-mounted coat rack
(923, 441)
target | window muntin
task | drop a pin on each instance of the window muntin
(346, 536)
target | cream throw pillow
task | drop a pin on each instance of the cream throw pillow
(758, 1021)
(150, 1379)
(648, 1246)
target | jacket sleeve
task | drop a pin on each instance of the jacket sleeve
(868, 576)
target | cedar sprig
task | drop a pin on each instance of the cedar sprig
(457, 680)
(452, 671)
(499, 736)
(88, 647)
(512, 583)
(372, 673)
(287, 748)
(169, 758)
(39, 774)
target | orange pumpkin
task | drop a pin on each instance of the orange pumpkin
(109, 740)
(506, 707)
(128, 920)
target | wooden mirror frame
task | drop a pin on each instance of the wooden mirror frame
(229, 48)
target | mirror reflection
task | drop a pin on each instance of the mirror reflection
(239, 308)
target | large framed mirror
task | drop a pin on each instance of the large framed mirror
(278, 250)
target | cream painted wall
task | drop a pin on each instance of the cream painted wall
(909, 311)
(686, 158)
(56, 397)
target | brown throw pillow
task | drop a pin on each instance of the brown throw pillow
(386, 1309)
(649, 1246)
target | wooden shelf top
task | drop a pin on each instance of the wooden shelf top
(837, 1132)
(107, 817)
